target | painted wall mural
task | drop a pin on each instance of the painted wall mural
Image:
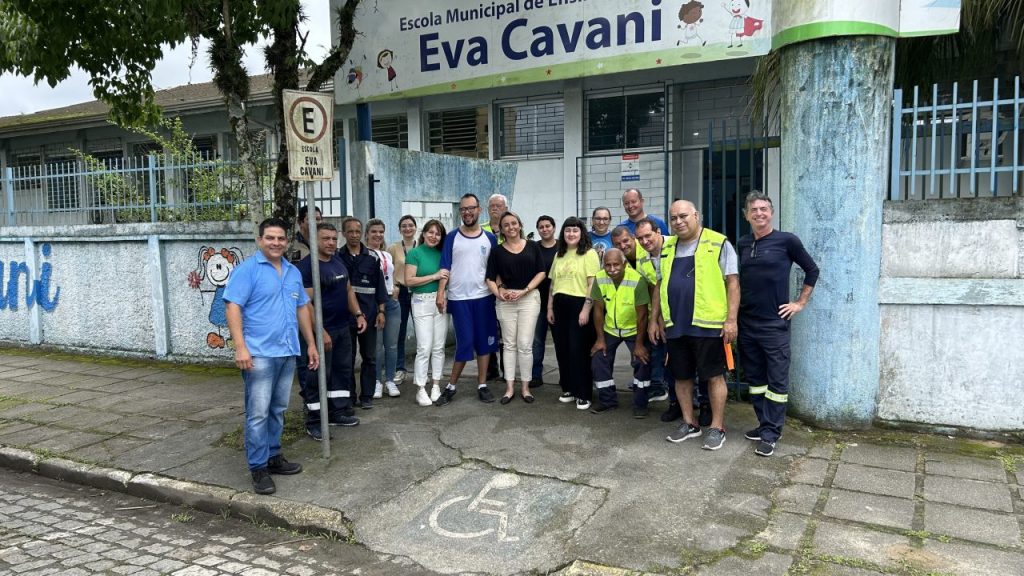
(210, 278)
(37, 292)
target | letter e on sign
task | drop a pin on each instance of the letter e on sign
(309, 118)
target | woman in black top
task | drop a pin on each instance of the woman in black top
(548, 245)
(514, 270)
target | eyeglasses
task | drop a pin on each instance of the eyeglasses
(753, 249)
(467, 209)
(597, 218)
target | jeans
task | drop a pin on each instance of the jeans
(431, 331)
(540, 336)
(518, 323)
(387, 342)
(267, 387)
(405, 301)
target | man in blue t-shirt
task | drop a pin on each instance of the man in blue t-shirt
(633, 204)
(266, 308)
(766, 258)
(339, 309)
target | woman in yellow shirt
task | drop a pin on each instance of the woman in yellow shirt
(569, 304)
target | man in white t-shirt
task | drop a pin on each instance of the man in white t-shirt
(468, 299)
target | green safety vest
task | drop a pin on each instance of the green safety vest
(619, 302)
(710, 304)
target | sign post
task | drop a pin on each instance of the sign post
(309, 121)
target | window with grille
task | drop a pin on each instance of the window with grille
(626, 121)
(461, 132)
(61, 175)
(531, 128)
(27, 169)
(391, 131)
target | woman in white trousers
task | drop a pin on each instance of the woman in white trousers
(422, 273)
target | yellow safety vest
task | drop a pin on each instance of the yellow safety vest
(619, 302)
(710, 304)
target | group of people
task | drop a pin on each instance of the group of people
(677, 295)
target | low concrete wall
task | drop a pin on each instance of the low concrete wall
(952, 313)
(141, 289)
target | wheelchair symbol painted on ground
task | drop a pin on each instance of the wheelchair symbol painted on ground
(480, 504)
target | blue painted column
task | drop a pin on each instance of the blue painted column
(836, 107)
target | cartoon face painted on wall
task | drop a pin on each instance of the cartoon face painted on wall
(215, 267)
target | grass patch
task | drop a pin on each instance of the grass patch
(184, 517)
(294, 429)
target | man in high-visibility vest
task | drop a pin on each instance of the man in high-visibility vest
(695, 309)
(620, 305)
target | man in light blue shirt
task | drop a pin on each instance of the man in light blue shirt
(633, 204)
(266, 308)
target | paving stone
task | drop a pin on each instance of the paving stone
(970, 524)
(972, 493)
(879, 548)
(893, 457)
(870, 508)
(808, 471)
(69, 441)
(799, 498)
(769, 564)
(875, 480)
(823, 451)
(785, 530)
(959, 558)
(989, 469)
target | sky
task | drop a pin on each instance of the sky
(21, 96)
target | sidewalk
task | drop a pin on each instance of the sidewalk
(539, 488)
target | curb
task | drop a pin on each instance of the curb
(207, 498)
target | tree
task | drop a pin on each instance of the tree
(118, 42)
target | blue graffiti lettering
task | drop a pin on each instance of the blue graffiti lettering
(36, 291)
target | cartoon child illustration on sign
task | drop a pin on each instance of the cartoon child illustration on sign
(215, 267)
(741, 25)
(355, 73)
(690, 15)
(384, 60)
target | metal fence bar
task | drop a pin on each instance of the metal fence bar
(9, 191)
(974, 142)
(913, 151)
(953, 146)
(994, 141)
(931, 163)
(1016, 131)
(895, 191)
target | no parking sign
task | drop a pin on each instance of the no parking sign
(309, 119)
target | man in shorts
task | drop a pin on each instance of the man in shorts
(465, 295)
(695, 310)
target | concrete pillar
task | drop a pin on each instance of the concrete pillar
(836, 108)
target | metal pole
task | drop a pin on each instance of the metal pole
(318, 318)
(9, 191)
(152, 187)
(372, 204)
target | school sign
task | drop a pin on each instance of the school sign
(409, 49)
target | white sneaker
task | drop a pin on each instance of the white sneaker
(435, 393)
(393, 390)
(399, 376)
(378, 391)
(421, 396)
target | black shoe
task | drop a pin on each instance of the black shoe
(704, 415)
(347, 411)
(279, 465)
(484, 393)
(314, 433)
(262, 483)
(367, 404)
(536, 382)
(673, 413)
(765, 448)
(445, 397)
(639, 412)
(340, 420)
(603, 408)
(754, 434)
